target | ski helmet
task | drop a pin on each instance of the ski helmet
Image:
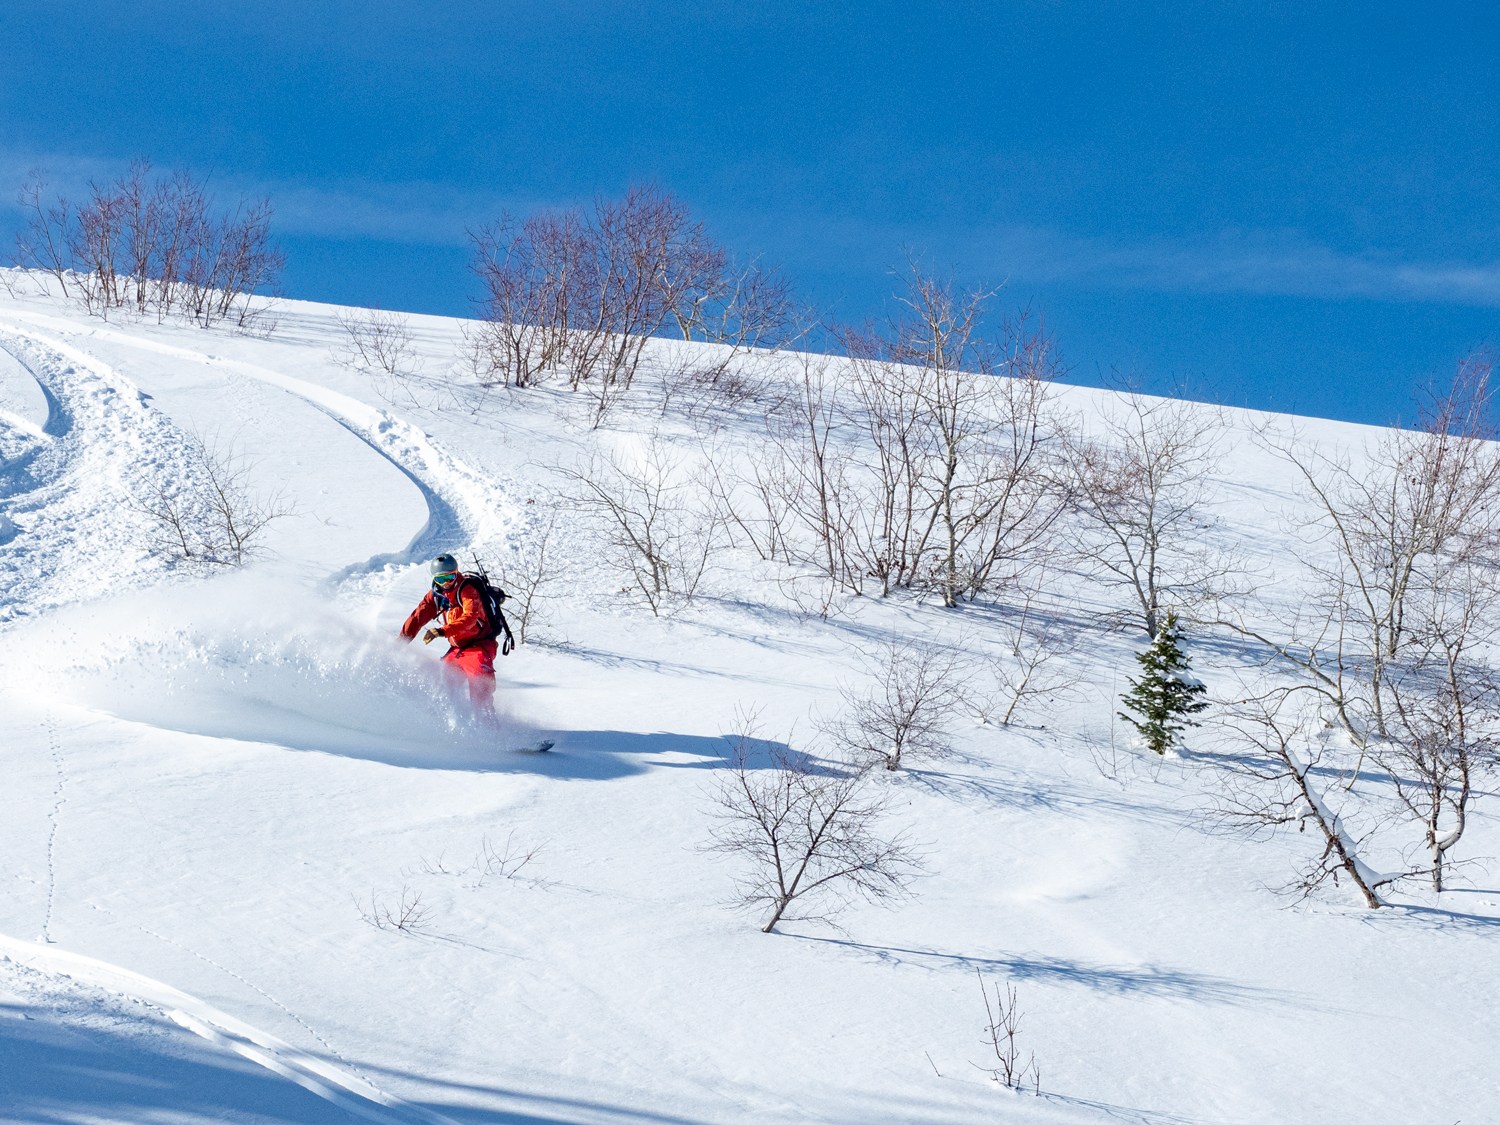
(444, 564)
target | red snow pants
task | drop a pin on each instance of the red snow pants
(477, 663)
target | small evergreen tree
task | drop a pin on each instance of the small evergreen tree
(1165, 695)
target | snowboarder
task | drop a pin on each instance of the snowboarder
(470, 634)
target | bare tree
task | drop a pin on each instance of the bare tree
(879, 511)
(532, 565)
(803, 486)
(1443, 720)
(1139, 495)
(1280, 785)
(210, 515)
(653, 517)
(534, 272)
(153, 243)
(42, 241)
(582, 290)
(1395, 643)
(735, 310)
(931, 466)
(807, 835)
(989, 487)
(379, 345)
(1392, 532)
(905, 707)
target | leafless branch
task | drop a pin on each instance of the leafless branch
(807, 836)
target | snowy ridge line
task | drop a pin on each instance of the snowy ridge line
(313, 1074)
(484, 511)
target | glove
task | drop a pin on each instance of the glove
(431, 635)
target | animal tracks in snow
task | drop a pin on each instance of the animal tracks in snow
(54, 820)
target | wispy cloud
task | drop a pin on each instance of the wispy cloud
(426, 213)
(1265, 263)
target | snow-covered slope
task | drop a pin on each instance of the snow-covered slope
(210, 780)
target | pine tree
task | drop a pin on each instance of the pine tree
(1165, 695)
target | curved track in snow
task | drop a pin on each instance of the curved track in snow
(68, 490)
(465, 505)
(71, 486)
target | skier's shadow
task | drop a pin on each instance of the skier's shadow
(601, 755)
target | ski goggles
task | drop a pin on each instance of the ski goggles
(445, 580)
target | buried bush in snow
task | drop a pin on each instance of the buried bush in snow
(1002, 1025)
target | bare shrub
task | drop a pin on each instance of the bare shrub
(154, 245)
(580, 291)
(407, 914)
(379, 345)
(807, 835)
(210, 515)
(904, 709)
(1002, 1027)
(492, 861)
(1139, 497)
(654, 519)
(534, 564)
(504, 862)
(1280, 784)
(1033, 671)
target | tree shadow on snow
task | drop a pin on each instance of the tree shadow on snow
(1119, 980)
(1051, 796)
(604, 754)
(1438, 917)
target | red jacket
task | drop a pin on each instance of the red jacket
(464, 620)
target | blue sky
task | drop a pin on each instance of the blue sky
(1288, 205)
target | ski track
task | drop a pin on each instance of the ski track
(106, 429)
(70, 493)
(464, 504)
(346, 1090)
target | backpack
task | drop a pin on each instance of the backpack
(492, 597)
